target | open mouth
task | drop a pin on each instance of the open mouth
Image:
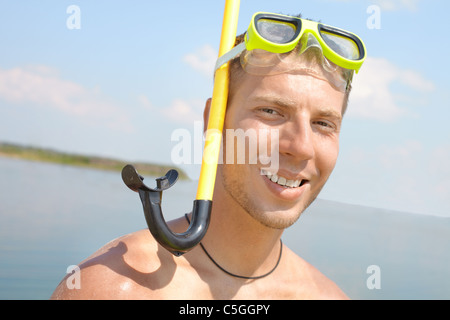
(282, 181)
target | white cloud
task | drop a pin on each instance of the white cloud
(374, 97)
(416, 81)
(392, 5)
(203, 60)
(144, 102)
(179, 110)
(41, 86)
(395, 5)
(183, 111)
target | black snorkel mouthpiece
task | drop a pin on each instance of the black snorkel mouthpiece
(176, 243)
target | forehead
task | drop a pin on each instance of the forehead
(298, 90)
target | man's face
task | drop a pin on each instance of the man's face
(307, 112)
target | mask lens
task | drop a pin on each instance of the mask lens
(276, 31)
(343, 46)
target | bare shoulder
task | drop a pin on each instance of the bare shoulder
(310, 282)
(122, 269)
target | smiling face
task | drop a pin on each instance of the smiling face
(306, 111)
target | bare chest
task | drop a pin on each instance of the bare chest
(202, 287)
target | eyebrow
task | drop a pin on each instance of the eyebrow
(277, 100)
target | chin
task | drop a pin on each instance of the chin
(278, 219)
(264, 202)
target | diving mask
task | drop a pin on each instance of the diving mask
(275, 44)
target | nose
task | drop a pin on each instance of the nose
(297, 140)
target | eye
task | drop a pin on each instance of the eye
(270, 114)
(325, 125)
(270, 111)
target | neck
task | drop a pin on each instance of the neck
(238, 242)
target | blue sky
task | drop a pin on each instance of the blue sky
(136, 71)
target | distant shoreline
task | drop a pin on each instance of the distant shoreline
(12, 150)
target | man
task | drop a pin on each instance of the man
(300, 94)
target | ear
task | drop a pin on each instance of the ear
(206, 114)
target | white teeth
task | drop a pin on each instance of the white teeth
(281, 180)
(274, 178)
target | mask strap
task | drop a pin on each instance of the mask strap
(230, 55)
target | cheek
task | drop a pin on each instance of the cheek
(326, 157)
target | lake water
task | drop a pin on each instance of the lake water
(54, 216)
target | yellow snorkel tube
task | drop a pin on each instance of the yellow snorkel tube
(218, 105)
(180, 243)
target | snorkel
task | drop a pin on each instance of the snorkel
(151, 198)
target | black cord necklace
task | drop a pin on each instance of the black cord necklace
(235, 275)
